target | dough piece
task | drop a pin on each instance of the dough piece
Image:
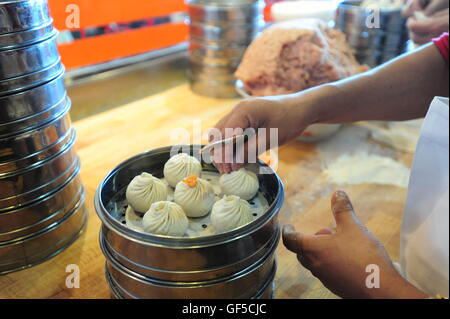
(133, 220)
(165, 218)
(181, 166)
(195, 195)
(230, 213)
(242, 183)
(144, 190)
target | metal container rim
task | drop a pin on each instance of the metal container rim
(65, 149)
(68, 104)
(25, 92)
(105, 246)
(186, 284)
(52, 36)
(182, 242)
(218, 5)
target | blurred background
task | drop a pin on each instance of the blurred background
(118, 51)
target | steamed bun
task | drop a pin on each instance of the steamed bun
(181, 166)
(195, 195)
(242, 183)
(144, 190)
(165, 218)
(229, 213)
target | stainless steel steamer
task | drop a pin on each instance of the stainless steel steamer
(236, 264)
(20, 15)
(220, 31)
(41, 195)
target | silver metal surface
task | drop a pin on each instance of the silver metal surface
(40, 173)
(213, 88)
(14, 222)
(30, 122)
(225, 13)
(166, 259)
(18, 15)
(32, 58)
(33, 101)
(33, 158)
(188, 276)
(391, 35)
(266, 291)
(237, 34)
(22, 199)
(46, 243)
(27, 37)
(215, 55)
(24, 82)
(18, 146)
(241, 285)
(203, 72)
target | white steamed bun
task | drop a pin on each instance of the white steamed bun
(242, 183)
(181, 166)
(195, 195)
(144, 190)
(165, 218)
(229, 213)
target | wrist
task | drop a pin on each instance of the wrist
(316, 104)
(394, 286)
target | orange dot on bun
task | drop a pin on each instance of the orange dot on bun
(191, 181)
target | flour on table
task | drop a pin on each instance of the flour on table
(402, 136)
(361, 168)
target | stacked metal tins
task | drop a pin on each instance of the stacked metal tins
(41, 195)
(376, 34)
(237, 264)
(220, 31)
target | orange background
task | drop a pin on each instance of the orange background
(97, 49)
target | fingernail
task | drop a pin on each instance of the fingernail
(339, 195)
(288, 228)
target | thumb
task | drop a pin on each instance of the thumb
(343, 211)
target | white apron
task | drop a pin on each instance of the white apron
(425, 230)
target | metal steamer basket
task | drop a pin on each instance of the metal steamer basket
(25, 60)
(220, 32)
(41, 194)
(372, 45)
(237, 264)
(20, 15)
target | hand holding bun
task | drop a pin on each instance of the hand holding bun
(229, 213)
(242, 183)
(165, 218)
(181, 166)
(195, 195)
(144, 190)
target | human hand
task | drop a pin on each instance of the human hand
(277, 113)
(427, 19)
(339, 258)
(428, 7)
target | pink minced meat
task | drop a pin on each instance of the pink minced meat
(295, 55)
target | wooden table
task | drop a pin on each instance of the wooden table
(106, 139)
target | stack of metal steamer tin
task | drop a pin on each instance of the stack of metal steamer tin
(377, 35)
(41, 195)
(220, 31)
(239, 264)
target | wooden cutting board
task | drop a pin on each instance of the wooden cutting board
(109, 138)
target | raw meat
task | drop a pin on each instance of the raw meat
(295, 55)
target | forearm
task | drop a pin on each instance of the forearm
(396, 287)
(399, 90)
